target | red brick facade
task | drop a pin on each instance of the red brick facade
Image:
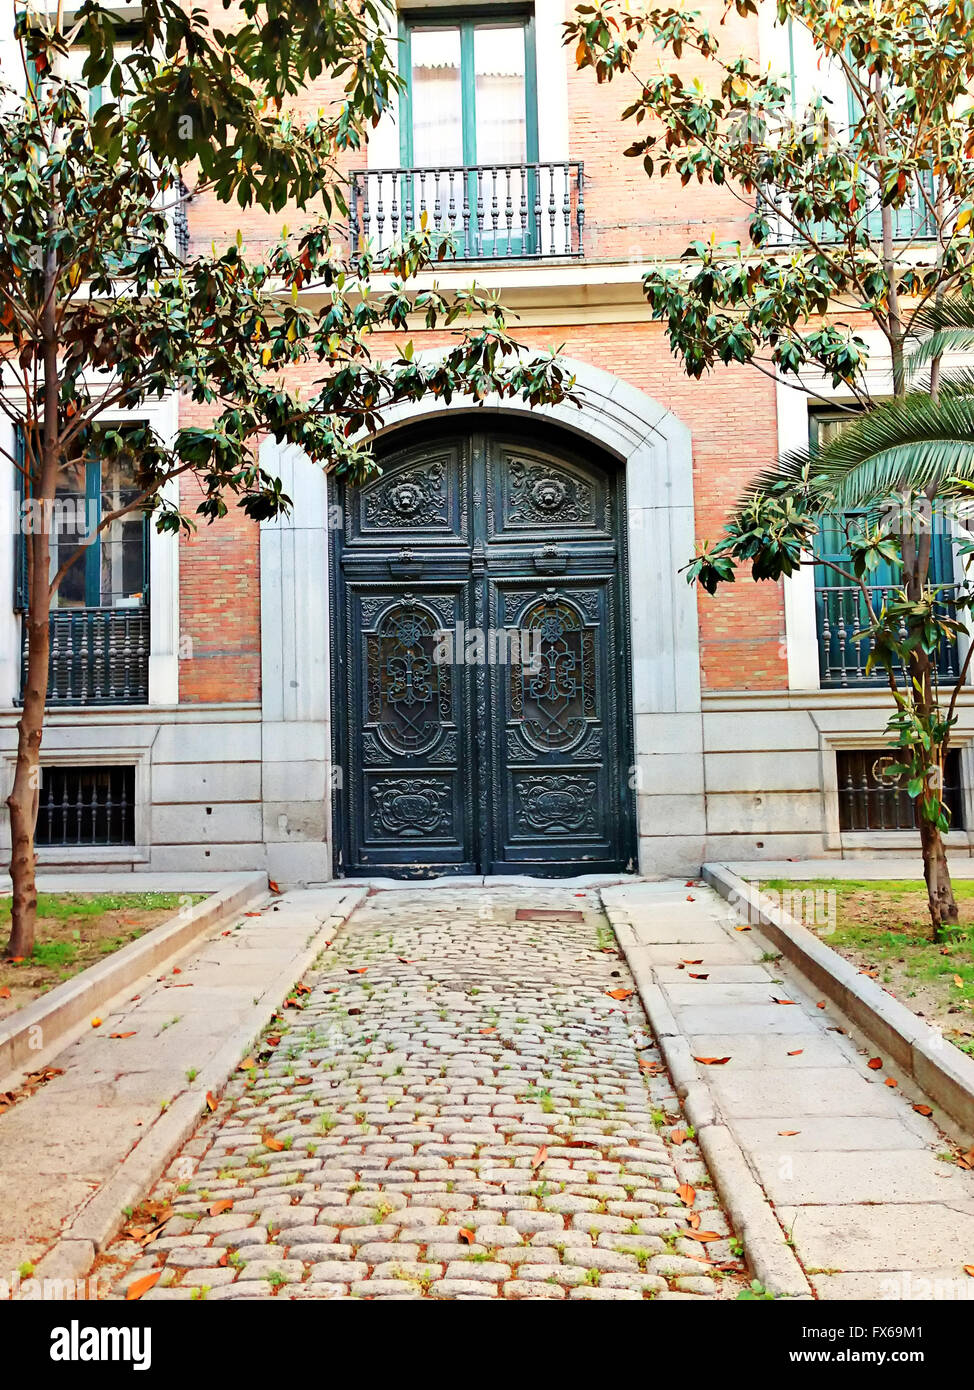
(731, 415)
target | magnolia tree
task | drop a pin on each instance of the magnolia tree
(858, 217)
(100, 313)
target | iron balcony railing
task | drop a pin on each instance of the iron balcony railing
(911, 221)
(841, 615)
(489, 211)
(99, 656)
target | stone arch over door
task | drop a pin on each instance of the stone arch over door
(655, 448)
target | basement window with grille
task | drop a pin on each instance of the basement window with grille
(86, 806)
(871, 798)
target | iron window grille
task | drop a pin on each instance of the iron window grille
(86, 806)
(871, 798)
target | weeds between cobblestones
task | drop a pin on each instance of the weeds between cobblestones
(452, 1105)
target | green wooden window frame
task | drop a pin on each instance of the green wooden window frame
(830, 541)
(467, 21)
(91, 561)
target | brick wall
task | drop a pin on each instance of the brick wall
(731, 415)
(219, 603)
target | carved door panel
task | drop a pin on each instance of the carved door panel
(507, 749)
(408, 772)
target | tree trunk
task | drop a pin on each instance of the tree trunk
(23, 799)
(940, 892)
(41, 485)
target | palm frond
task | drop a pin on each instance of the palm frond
(912, 444)
(951, 329)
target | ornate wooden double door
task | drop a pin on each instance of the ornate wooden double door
(480, 660)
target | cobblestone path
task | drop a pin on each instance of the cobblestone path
(454, 1106)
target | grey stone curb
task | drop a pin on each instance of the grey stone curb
(940, 1070)
(771, 1260)
(100, 1219)
(72, 1003)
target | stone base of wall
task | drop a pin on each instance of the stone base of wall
(750, 778)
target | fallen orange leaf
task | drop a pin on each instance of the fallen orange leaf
(702, 1236)
(694, 962)
(686, 1194)
(223, 1261)
(744, 928)
(273, 886)
(874, 1063)
(122, 1035)
(797, 1052)
(788, 1133)
(488, 1030)
(618, 993)
(247, 1064)
(697, 977)
(224, 1204)
(360, 971)
(274, 1144)
(891, 1082)
(820, 1004)
(776, 1000)
(923, 1109)
(539, 1157)
(677, 1136)
(143, 1285)
(465, 1235)
(711, 1061)
(210, 1101)
(969, 1269)
(4, 993)
(694, 1220)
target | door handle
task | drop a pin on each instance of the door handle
(550, 559)
(406, 565)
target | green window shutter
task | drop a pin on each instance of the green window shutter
(20, 549)
(92, 556)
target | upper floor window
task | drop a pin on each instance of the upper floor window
(112, 569)
(841, 611)
(471, 91)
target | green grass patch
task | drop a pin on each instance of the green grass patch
(883, 925)
(74, 930)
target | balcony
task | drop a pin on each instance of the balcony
(99, 656)
(490, 212)
(840, 613)
(911, 222)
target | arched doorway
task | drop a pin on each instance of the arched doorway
(480, 673)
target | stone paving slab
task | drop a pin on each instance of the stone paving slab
(862, 1185)
(61, 1146)
(458, 1107)
(886, 1236)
